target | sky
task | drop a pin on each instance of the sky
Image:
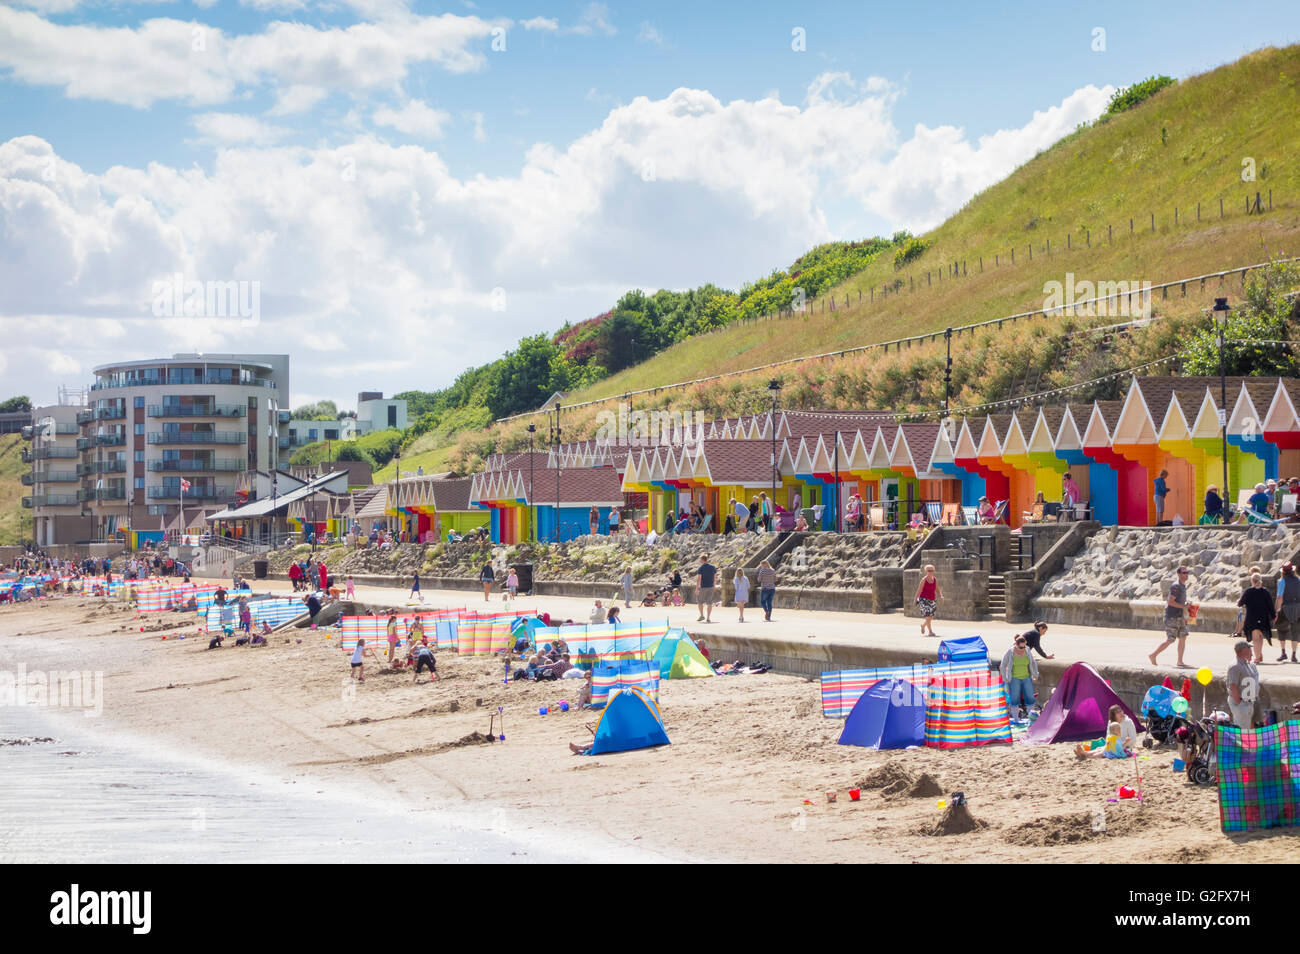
(392, 191)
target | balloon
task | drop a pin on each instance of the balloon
(1179, 705)
(1204, 675)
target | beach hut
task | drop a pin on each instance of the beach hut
(889, 715)
(630, 721)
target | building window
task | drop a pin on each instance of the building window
(139, 483)
(139, 429)
(331, 435)
(392, 415)
(139, 401)
(139, 457)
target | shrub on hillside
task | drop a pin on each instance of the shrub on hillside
(911, 250)
(1129, 96)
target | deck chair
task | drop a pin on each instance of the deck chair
(705, 523)
(1051, 510)
(1034, 514)
(1000, 511)
(876, 514)
(951, 514)
(933, 511)
(970, 516)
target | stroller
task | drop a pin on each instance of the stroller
(1197, 741)
(1158, 708)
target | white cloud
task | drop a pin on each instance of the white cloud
(163, 59)
(543, 24)
(593, 19)
(278, 6)
(415, 118)
(480, 134)
(388, 257)
(297, 99)
(229, 129)
(649, 33)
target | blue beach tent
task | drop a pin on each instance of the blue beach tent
(630, 721)
(966, 649)
(889, 715)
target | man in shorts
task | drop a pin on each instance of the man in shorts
(1175, 619)
(705, 577)
(424, 660)
(1243, 687)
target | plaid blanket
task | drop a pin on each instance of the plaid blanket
(1259, 776)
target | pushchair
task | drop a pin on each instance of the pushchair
(1197, 740)
(1160, 709)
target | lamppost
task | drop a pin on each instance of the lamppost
(774, 391)
(555, 440)
(532, 505)
(397, 495)
(274, 486)
(1221, 309)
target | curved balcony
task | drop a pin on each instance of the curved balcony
(197, 410)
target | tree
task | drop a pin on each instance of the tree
(1265, 317)
(20, 403)
(523, 377)
(320, 411)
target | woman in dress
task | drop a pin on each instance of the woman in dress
(741, 583)
(1260, 613)
(928, 595)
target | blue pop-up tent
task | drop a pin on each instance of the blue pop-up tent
(630, 721)
(966, 649)
(889, 715)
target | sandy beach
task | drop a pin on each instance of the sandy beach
(743, 780)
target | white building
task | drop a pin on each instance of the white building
(374, 413)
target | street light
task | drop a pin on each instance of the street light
(532, 506)
(397, 495)
(1221, 308)
(774, 391)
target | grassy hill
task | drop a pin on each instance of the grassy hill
(11, 490)
(1183, 146)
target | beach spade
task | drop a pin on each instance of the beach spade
(501, 712)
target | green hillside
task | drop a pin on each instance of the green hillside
(11, 490)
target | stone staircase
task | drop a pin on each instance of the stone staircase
(997, 596)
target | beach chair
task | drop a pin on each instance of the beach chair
(1051, 510)
(951, 514)
(1000, 511)
(970, 516)
(876, 515)
(933, 511)
(1034, 514)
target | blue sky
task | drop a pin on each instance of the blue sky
(386, 172)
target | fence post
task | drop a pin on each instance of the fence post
(1153, 221)
(1108, 235)
(1013, 255)
(1130, 226)
(1087, 237)
(1270, 205)
(1031, 251)
(1175, 216)
(1220, 207)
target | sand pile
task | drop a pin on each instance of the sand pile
(894, 781)
(955, 820)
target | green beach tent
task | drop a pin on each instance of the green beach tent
(679, 658)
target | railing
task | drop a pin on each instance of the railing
(284, 443)
(108, 493)
(187, 465)
(110, 413)
(63, 453)
(179, 383)
(50, 500)
(66, 429)
(26, 456)
(85, 417)
(197, 437)
(196, 410)
(54, 476)
(171, 492)
(102, 467)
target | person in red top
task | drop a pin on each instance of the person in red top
(928, 595)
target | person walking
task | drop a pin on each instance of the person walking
(626, 582)
(1019, 670)
(593, 520)
(765, 508)
(391, 633)
(705, 575)
(754, 510)
(512, 583)
(1243, 686)
(928, 594)
(486, 576)
(415, 588)
(1259, 615)
(766, 589)
(614, 518)
(741, 584)
(1161, 491)
(1175, 619)
(1288, 611)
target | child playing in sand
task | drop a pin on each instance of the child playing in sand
(1120, 741)
(358, 664)
(512, 583)
(351, 590)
